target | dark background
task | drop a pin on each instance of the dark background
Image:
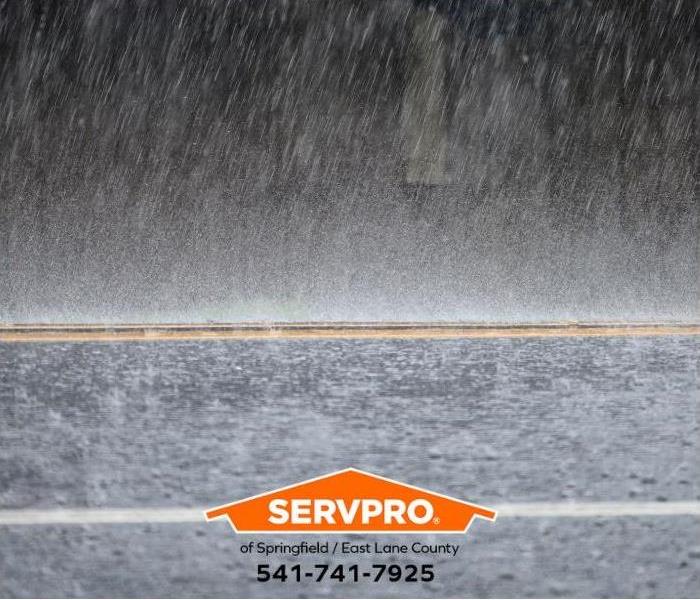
(203, 160)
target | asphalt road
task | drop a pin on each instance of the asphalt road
(197, 424)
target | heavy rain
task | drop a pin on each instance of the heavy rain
(175, 169)
(513, 160)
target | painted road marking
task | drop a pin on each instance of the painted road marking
(116, 516)
(599, 509)
(275, 331)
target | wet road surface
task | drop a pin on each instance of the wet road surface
(197, 424)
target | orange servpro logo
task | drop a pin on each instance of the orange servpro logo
(350, 501)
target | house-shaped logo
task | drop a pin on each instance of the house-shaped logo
(350, 501)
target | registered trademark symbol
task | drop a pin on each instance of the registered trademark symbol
(436, 520)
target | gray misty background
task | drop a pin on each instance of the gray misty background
(522, 160)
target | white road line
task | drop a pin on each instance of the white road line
(86, 516)
(113, 516)
(598, 509)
